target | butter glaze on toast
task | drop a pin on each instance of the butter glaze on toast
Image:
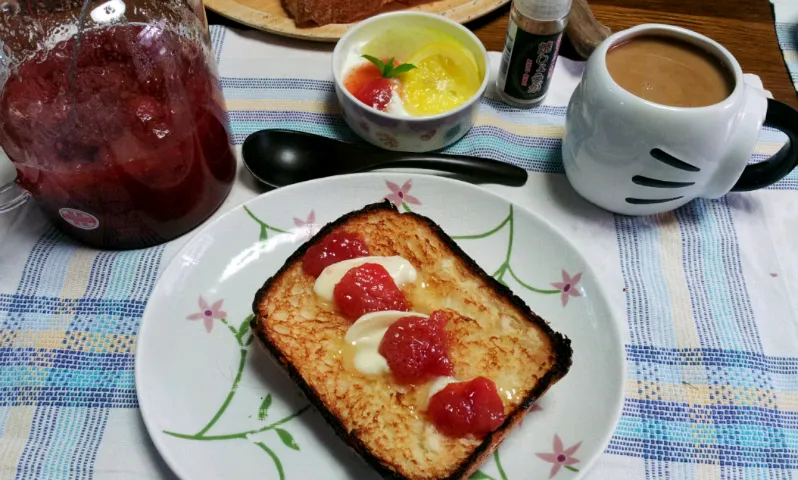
(493, 334)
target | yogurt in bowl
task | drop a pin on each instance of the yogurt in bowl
(410, 81)
(366, 82)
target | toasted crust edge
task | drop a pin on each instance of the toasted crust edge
(560, 343)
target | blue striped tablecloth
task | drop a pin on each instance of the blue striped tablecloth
(709, 294)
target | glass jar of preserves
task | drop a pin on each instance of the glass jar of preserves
(112, 115)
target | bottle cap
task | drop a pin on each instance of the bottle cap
(546, 10)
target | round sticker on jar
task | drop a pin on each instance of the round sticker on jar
(79, 219)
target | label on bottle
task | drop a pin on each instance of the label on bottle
(527, 63)
(79, 219)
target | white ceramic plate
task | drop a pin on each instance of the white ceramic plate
(217, 406)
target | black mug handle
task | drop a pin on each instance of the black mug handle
(767, 172)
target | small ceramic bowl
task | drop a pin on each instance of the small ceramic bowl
(394, 132)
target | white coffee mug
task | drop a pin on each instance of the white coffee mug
(632, 156)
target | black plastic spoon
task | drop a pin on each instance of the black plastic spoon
(282, 157)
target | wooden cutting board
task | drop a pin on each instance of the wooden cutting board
(269, 15)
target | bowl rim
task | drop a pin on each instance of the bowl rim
(338, 51)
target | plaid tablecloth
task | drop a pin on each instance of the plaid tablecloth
(706, 292)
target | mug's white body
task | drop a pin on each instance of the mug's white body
(635, 157)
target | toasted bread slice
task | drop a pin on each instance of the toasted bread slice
(492, 334)
(323, 12)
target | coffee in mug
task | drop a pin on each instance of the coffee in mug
(669, 71)
(663, 115)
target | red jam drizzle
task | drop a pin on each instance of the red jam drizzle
(464, 408)
(368, 288)
(416, 348)
(134, 137)
(367, 84)
(335, 247)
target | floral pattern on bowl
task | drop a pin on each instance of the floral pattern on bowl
(406, 134)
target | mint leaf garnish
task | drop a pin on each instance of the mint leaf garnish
(387, 69)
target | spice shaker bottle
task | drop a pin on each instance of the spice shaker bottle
(530, 50)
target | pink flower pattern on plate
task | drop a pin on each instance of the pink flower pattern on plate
(568, 287)
(560, 457)
(400, 195)
(208, 313)
(311, 218)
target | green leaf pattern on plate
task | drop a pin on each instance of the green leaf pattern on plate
(263, 411)
(239, 334)
(287, 439)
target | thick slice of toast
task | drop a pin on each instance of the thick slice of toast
(323, 12)
(493, 334)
